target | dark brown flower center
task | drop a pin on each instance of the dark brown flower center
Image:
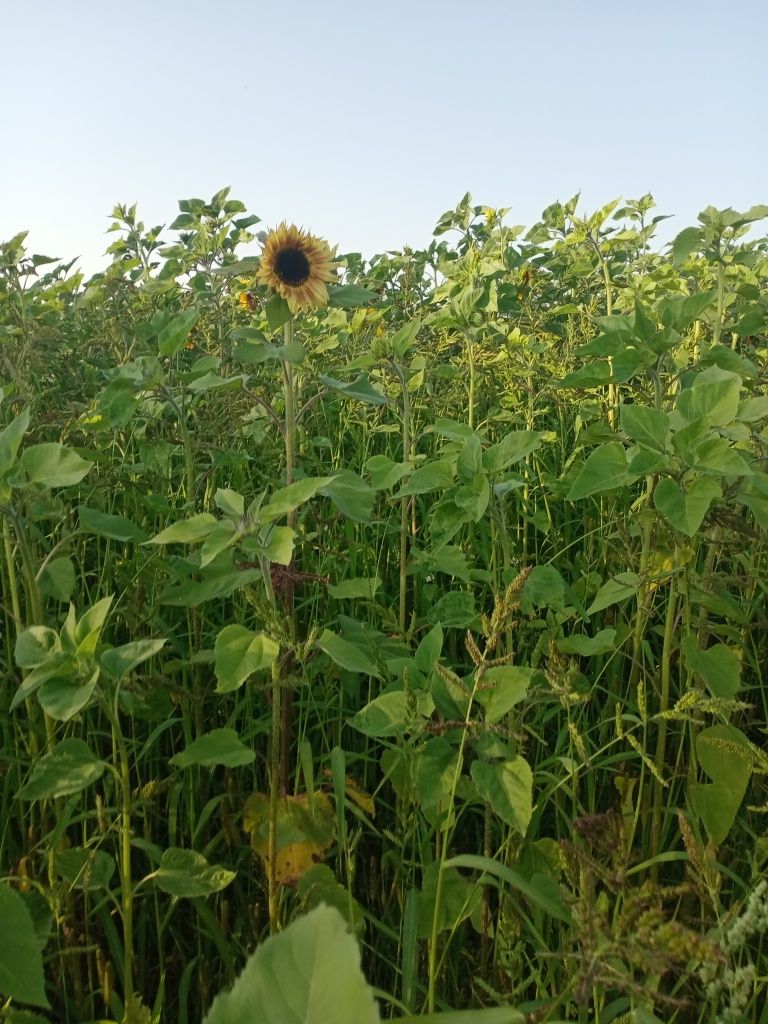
(292, 267)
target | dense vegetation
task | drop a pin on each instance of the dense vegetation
(443, 605)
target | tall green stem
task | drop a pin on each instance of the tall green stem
(444, 840)
(12, 581)
(285, 702)
(643, 591)
(275, 755)
(664, 699)
(290, 413)
(13, 586)
(282, 708)
(126, 878)
(34, 603)
(720, 303)
(613, 391)
(404, 502)
(472, 384)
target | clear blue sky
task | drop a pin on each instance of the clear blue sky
(365, 120)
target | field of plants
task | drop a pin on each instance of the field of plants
(394, 627)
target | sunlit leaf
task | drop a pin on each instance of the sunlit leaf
(308, 974)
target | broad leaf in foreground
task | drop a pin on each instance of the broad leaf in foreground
(308, 974)
(21, 965)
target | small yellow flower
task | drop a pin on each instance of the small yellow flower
(490, 215)
(297, 266)
(246, 301)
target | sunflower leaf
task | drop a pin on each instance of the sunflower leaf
(349, 296)
(277, 312)
(247, 265)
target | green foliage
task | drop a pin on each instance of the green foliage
(21, 965)
(311, 972)
(446, 601)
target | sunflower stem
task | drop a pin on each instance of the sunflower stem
(285, 703)
(275, 755)
(290, 414)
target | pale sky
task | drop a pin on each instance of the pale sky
(364, 121)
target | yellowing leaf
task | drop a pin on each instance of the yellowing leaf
(305, 830)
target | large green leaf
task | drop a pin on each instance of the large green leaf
(174, 334)
(351, 495)
(544, 587)
(62, 698)
(21, 963)
(58, 578)
(719, 667)
(57, 665)
(649, 427)
(349, 296)
(715, 455)
(723, 754)
(435, 777)
(346, 654)
(455, 609)
(221, 746)
(684, 244)
(53, 465)
(188, 874)
(504, 686)
(222, 536)
(512, 448)
(753, 409)
(119, 661)
(604, 470)
(85, 869)
(279, 542)
(431, 477)
(428, 652)
(685, 510)
(384, 472)
(507, 786)
(217, 581)
(587, 646)
(715, 394)
(35, 645)
(384, 716)
(289, 498)
(360, 389)
(239, 653)
(360, 586)
(10, 439)
(592, 375)
(186, 531)
(66, 770)
(450, 559)
(618, 588)
(105, 525)
(308, 974)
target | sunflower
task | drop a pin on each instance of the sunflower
(297, 266)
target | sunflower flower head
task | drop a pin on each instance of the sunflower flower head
(298, 266)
